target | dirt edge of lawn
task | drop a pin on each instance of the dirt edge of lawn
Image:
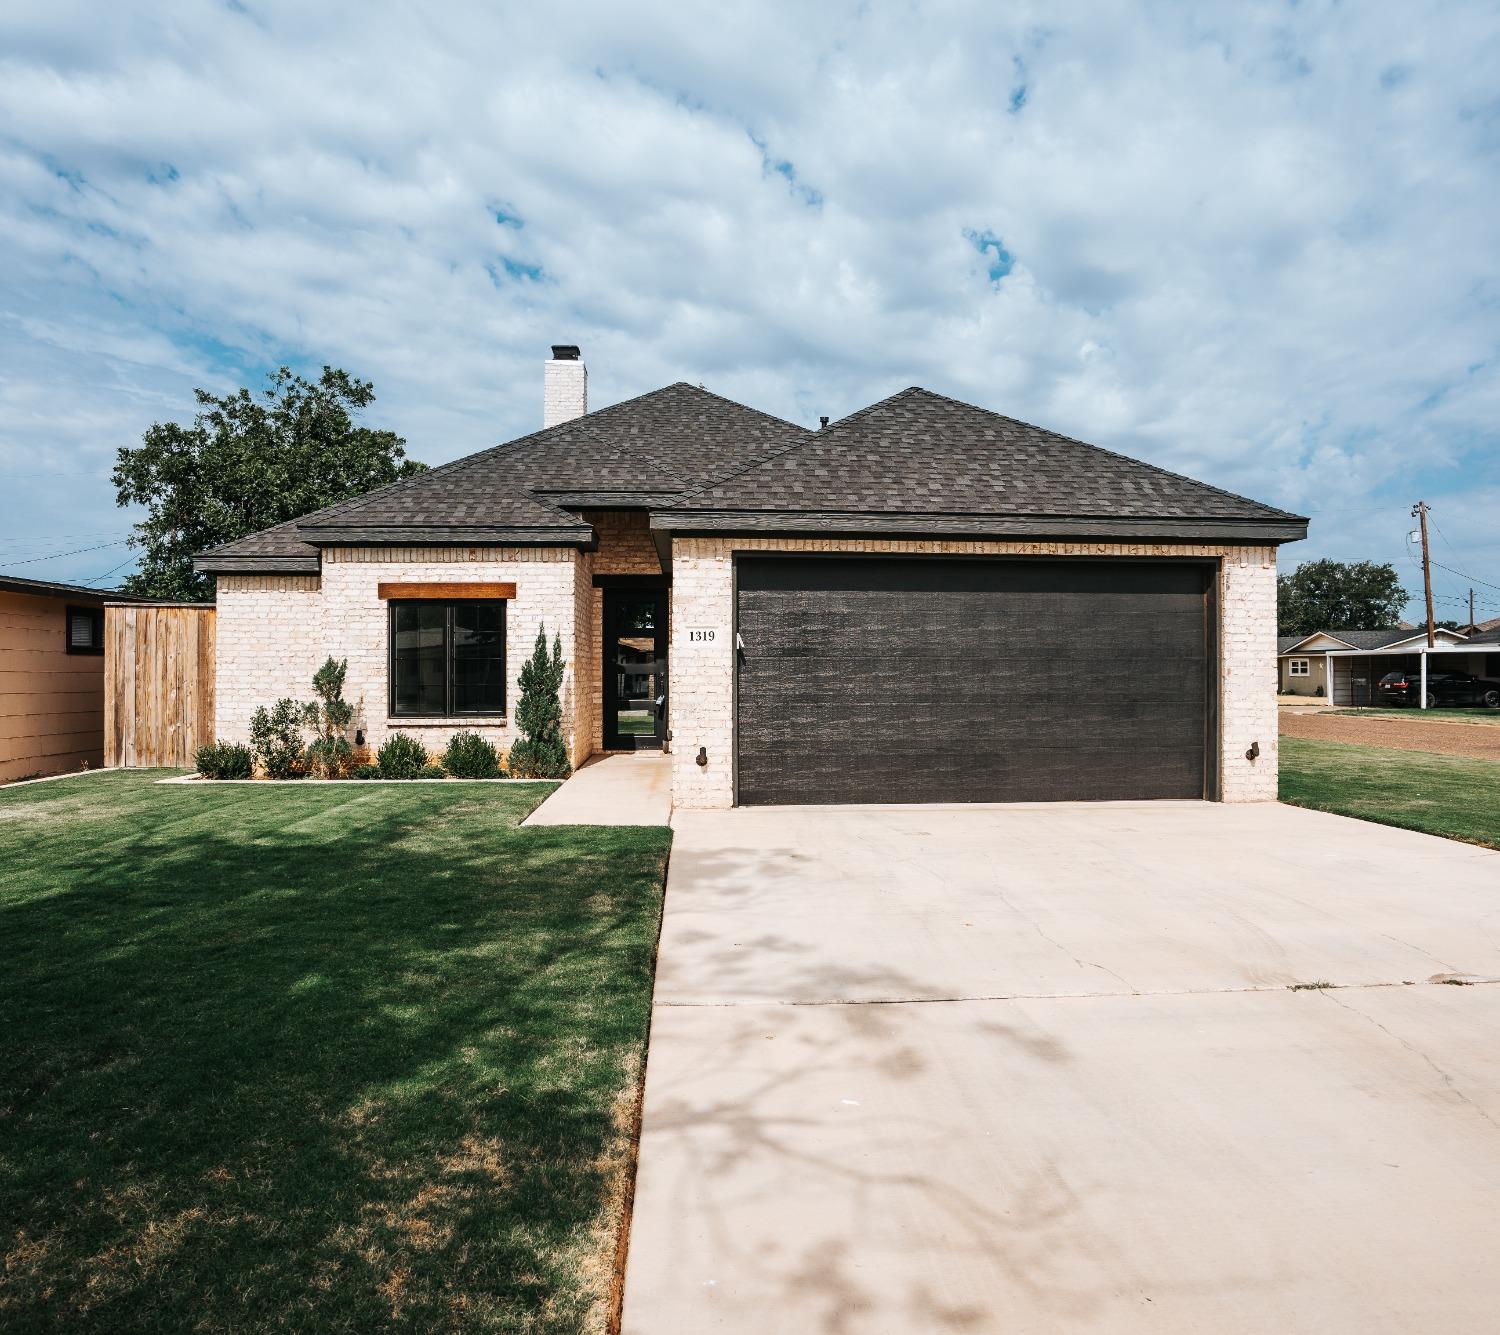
(623, 1197)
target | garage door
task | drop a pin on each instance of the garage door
(952, 680)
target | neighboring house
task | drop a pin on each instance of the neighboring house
(51, 677)
(1355, 660)
(925, 601)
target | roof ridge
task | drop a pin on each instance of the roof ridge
(880, 403)
(1104, 449)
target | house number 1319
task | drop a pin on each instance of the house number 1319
(702, 635)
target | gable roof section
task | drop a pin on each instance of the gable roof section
(643, 451)
(916, 462)
(921, 462)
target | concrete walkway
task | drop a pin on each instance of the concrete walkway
(1043, 1069)
(634, 789)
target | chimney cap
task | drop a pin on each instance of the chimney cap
(565, 352)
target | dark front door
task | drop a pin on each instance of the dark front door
(635, 669)
(953, 680)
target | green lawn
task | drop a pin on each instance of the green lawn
(315, 1058)
(1442, 714)
(1453, 796)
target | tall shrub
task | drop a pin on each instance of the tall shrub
(276, 739)
(329, 716)
(540, 752)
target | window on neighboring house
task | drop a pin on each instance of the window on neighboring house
(85, 630)
(447, 658)
(1299, 667)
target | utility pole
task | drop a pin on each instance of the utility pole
(1471, 611)
(1420, 511)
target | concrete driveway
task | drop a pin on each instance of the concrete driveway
(1031, 1069)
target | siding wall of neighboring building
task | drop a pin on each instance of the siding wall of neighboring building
(1317, 675)
(51, 701)
(274, 631)
(703, 673)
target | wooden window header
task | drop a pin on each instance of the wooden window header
(447, 592)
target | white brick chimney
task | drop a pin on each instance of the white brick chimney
(565, 385)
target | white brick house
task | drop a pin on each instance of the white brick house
(924, 601)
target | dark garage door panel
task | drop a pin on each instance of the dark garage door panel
(947, 680)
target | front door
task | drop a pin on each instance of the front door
(635, 669)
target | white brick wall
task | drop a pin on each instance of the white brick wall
(703, 675)
(565, 391)
(275, 631)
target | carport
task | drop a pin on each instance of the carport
(1354, 672)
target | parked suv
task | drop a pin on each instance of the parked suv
(1443, 688)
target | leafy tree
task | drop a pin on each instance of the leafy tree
(247, 462)
(540, 752)
(1339, 595)
(329, 716)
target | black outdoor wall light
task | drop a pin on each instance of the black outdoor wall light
(702, 755)
(1253, 752)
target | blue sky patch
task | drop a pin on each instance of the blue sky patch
(998, 260)
(518, 271)
(788, 172)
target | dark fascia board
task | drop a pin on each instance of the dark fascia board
(78, 593)
(256, 565)
(430, 535)
(1029, 527)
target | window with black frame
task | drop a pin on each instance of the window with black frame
(447, 659)
(85, 630)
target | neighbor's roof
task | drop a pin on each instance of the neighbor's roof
(917, 462)
(1362, 639)
(44, 588)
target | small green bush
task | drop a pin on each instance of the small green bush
(276, 739)
(225, 760)
(470, 756)
(365, 772)
(402, 757)
(434, 769)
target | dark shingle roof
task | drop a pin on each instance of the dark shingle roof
(921, 453)
(643, 451)
(916, 462)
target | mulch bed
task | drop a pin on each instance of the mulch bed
(1449, 739)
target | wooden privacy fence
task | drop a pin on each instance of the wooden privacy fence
(158, 683)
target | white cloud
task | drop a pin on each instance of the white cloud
(1252, 243)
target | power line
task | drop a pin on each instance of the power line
(1472, 578)
(94, 579)
(56, 556)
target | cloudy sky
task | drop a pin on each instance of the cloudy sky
(1258, 243)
